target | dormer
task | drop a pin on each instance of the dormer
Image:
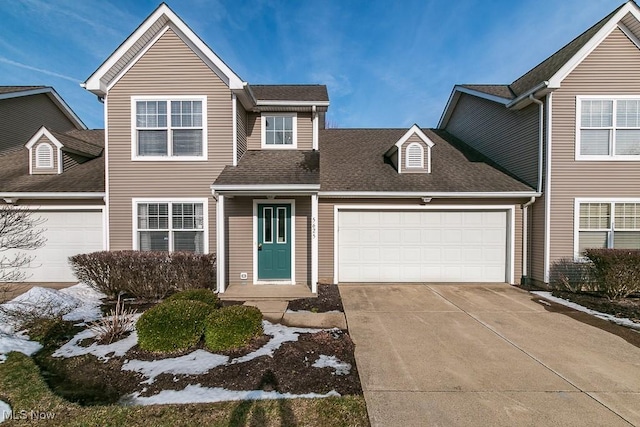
(412, 152)
(45, 152)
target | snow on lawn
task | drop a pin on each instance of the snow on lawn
(623, 321)
(5, 411)
(16, 342)
(198, 394)
(324, 361)
(101, 351)
(195, 363)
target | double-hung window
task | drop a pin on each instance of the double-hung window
(166, 128)
(279, 130)
(608, 128)
(170, 226)
(608, 225)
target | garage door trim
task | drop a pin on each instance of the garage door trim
(510, 210)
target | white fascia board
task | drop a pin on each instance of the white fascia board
(281, 103)
(52, 195)
(556, 80)
(51, 92)
(455, 96)
(39, 134)
(266, 187)
(94, 84)
(417, 131)
(407, 194)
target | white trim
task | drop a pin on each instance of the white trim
(263, 132)
(234, 136)
(609, 157)
(406, 155)
(169, 157)
(52, 195)
(547, 193)
(94, 84)
(508, 209)
(284, 103)
(455, 96)
(53, 95)
(419, 194)
(314, 243)
(314, 129)
(627, 32)
(556, 80)
(221, 278)
(39, 134)
(170, 200)
(266, 187)
(254, 252)
(106, 172)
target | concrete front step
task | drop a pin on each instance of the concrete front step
(266, 293)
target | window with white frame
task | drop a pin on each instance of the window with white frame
(608, 225)
(279, 130)
(414, 156)
(44, 156)
(609, 128)
(170, 226)
(169, 127)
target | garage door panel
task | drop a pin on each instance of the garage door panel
(422, 246)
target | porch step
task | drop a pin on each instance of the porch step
(266, 293)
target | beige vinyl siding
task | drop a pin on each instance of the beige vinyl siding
(44, 171)
(305, 131)
(510, 138)
(168, 68)
(22, 117)
(326, 226)
(242, 129)
(403, 155)
(611, 69)
(240, 249)
(536, 240)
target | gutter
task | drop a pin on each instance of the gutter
(528, 94)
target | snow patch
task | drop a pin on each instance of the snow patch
(623, 321)
(5, 411)
(324, 361)
(198, 394)
(89, 309)
(101, 351)
(17, 342)
(194, 363)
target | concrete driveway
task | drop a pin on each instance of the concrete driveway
(486, 355)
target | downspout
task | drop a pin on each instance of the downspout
(525, 207)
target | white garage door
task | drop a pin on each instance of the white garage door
(68, 233)
(422, 246)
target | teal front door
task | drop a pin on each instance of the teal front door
(274, 241)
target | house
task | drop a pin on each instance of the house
(198, 159)
(570, 128)
(52, 164)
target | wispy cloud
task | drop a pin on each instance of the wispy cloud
(39, 70)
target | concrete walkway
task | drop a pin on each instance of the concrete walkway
(486, 355)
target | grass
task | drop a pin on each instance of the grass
(22, 386)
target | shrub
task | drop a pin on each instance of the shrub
(147, 275)
(206, 296)
(232, 327)
(616, 271)
(172, 326)
(568, 275)
(118, 323)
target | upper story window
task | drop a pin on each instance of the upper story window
(608, 128)
(608, 225)
(279, 130)
(169, 128)
(414, 156)
(44, 156)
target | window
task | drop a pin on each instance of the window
(608, 128)
(170, 128)
(170, 226)
(414, 155)
(608, 225)
(44, 156)
(279, 131)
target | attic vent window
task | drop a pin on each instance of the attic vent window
(415, 156)
(44, 156)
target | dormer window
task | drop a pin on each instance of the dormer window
(279, 130)
(415, 156)
(44, 156)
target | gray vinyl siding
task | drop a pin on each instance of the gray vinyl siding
(536, 240)
(611, 69)
(22, 117)
(305, 131)
(242, 129)
(239, 239)
(326, 226)
(510, 138)
(69, 160)
(168, 68)
(44, 171)
(402, 160)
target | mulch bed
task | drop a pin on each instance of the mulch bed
(625, 308)
(328, 299)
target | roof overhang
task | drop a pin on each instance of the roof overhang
(250, 103)
(427, 194)
(52, 195)
(457, 91)
(53, 95)
(265, 189)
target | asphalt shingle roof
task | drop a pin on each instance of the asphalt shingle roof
(12, 89)
(354, 160)
(502, 91)
(290, 92)
(77, 142)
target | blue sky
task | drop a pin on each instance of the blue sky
(386, 63)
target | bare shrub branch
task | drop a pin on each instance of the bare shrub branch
(19, 231)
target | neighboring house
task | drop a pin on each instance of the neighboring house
(198, 159)
(51, 163)
(570, 128)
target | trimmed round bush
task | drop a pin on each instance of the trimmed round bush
(206, 296)
(232, 327)
(172, 325)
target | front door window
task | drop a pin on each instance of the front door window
(274, 243)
